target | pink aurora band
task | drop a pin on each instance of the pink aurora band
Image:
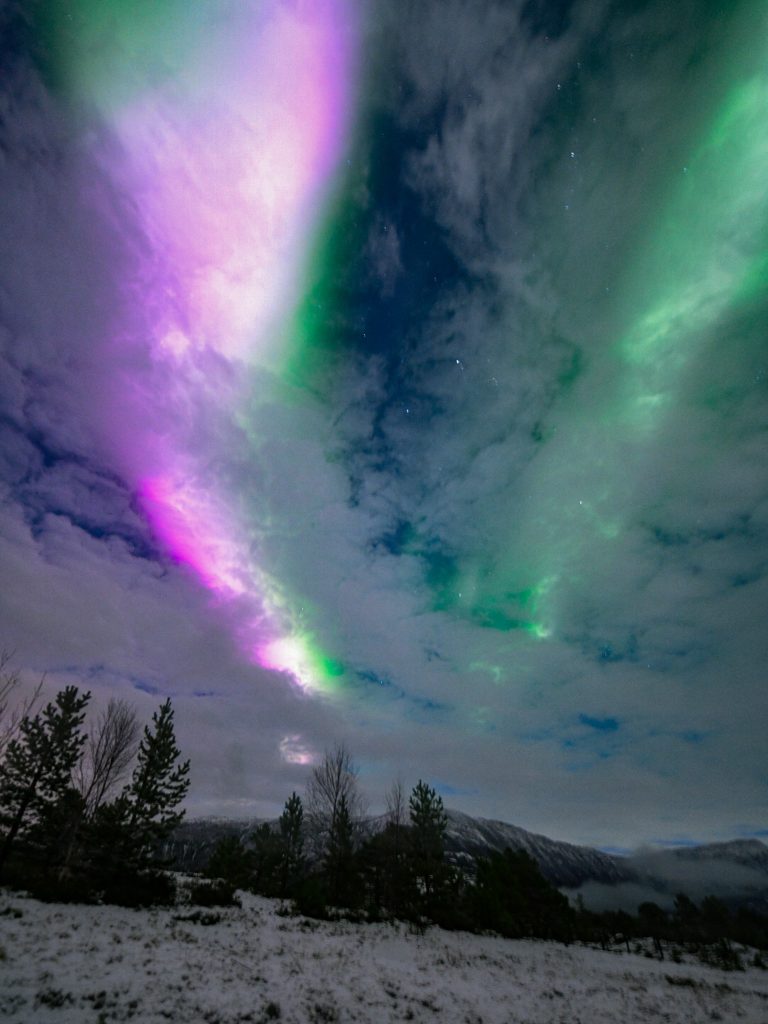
(227, 164)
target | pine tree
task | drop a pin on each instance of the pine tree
(292, 837)
(231, 861)
(428, 823)
(339, 862)
(36, 787)
(149, 803)
(512, 896)
(427, 839)
(267, 856)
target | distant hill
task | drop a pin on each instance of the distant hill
(737, 871)
(563, 864)
(467, 839)
(748, 853)
(191, 845)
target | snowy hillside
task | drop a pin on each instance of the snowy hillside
(561, 863)
(737, 871)
(73, 964)
(466, 839)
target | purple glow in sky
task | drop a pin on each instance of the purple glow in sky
(227, 163)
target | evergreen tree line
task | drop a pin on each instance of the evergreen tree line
(326, 859)
(708, 930)
(324, 856)
(84, 809)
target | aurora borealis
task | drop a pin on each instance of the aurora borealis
(396, 373)
(225, 146)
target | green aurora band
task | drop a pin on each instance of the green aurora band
(706, 263)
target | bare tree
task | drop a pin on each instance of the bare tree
(11, 717)
(108, 751)
(333, 783)
(392, 846)
(112, 743)
(395, 815)
(335, 818)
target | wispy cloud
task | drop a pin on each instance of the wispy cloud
(499, 477)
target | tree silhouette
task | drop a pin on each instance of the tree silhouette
(232, 861)
(157, 787)
(292, 839)
(427, 847)
(38, 773)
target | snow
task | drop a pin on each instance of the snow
(73, 964)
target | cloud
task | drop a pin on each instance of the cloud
(533, 562)
(664, 874)
(600, 724)
(383, 256)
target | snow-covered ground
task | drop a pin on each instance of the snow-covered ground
(90, 965)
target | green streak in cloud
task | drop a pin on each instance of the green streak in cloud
(710, 253)
(106, 51)
(705, 261)
(300, 655)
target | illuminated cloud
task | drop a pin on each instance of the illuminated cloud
(226, 148)
(395, 374)
(295, 751)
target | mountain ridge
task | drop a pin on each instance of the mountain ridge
(735, 869)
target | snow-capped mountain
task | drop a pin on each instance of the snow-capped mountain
(735, 870)
(750, 853)
(467, 839)
(563, 864)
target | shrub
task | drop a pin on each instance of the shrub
(213, 894)
(49, 889)
(54, 997)
(200, 917)
(311, 898)
(141, 889)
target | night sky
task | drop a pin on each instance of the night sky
(397, 374)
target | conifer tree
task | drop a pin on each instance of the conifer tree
(146, 812)
(428, 823)
(38, 773)
(339, 863)
(232, 861)
(267, 856)
(386, 859)
(292, 836)
(512, 896)
(427, 838)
